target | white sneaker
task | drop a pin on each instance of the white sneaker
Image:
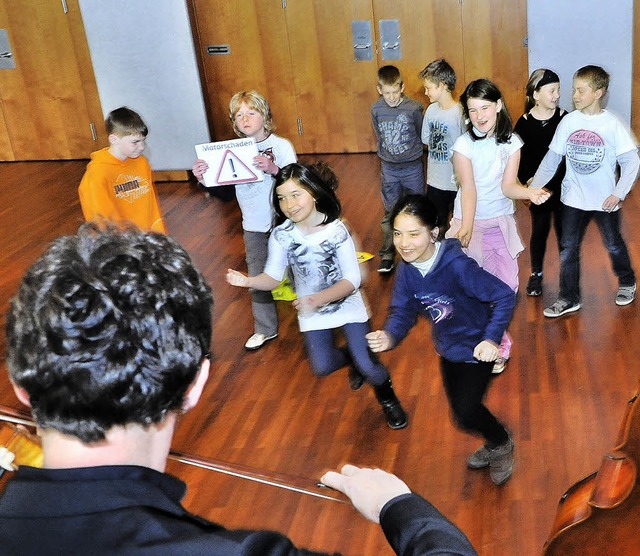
(626, 295)
(258, 340)
(498, 365)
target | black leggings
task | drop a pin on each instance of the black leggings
(466, 385)
(541, 216)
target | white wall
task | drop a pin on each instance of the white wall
(565, 35)
(143, 57)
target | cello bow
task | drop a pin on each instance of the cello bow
(278, 480)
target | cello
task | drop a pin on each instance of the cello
(601, 513)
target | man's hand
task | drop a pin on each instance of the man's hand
(368, 489)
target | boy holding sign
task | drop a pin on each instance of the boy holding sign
(251, 117)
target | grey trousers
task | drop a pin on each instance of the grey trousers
(263, 306)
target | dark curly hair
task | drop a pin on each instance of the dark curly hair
(109, 327)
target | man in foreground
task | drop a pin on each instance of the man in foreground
(107, 343)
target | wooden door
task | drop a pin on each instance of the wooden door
(429, 30)
(50, 100)
(333, 90)
(254, 34)
(494, 32)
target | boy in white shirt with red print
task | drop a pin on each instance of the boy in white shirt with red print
(594, 143)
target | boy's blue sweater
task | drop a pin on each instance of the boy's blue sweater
(464, 303)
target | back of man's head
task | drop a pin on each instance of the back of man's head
(109, 327)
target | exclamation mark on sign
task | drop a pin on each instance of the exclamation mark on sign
(233, 168)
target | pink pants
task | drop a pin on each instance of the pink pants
(499, 262)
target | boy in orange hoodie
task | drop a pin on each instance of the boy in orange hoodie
(118, 185)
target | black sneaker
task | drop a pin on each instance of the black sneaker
(386, 266)
(534, 285)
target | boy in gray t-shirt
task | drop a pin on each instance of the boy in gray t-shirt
(397, 122)
(442, 125)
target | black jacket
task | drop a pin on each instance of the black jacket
(136, 510)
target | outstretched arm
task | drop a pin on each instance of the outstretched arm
(514, 190)
(547, 169)
(260, 282)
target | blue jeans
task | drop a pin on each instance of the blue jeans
(574, 224)
(397, 180)
(326, 358)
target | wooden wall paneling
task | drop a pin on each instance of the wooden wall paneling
(44, 98)
(256, 33)
(429, 30)
(334, 91)
(89, 87)
(6, 151)
(493, 34)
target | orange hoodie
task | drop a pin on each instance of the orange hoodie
(120, 191)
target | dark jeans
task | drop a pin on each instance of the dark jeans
(541, 218)
(466, 385)
(443, 201)
(326, 358)
(574, 224)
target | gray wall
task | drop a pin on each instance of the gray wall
(565, 35)
(143, 57)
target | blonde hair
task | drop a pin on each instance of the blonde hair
(596, 76)
(255, 101)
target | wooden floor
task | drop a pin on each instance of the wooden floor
(563, 394)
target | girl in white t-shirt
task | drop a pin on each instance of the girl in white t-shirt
(485, 161)
(311, 239)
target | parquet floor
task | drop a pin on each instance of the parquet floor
(563, 394)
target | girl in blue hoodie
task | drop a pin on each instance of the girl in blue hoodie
(469, 310)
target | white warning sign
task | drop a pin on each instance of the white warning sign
(230, 162)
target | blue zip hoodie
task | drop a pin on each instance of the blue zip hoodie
(464, 303)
